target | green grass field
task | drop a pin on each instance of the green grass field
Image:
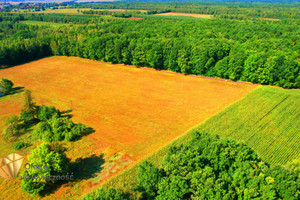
(267, 119)
(43, 23)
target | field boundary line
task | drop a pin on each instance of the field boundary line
(272, 109)
(266, 115)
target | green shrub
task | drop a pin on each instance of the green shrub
(53, 157)
(20, 145)
(111, 194)
(12, 126)
(76, 131)
(45, 113)
(27, 118)
(43, 132)
(31, 186)
(6, 86)
(58, 129)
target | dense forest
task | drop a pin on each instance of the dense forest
(258, 51)
(221, 9)
(207, 167)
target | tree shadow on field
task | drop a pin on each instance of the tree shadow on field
(88, 131)
(6, 66)
(17, 90)
(86, 168)
(82, 168)
(66, 113)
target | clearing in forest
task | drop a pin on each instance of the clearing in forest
(187, 15)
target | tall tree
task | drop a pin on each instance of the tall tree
(6, 86)
(12, 126)
(29, 104)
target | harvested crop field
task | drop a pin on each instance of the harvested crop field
(187, 15)
(134, 111)
(122, 10)
(65, 11)
(135, 18)
(272, 19)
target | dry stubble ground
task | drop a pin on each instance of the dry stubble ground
(134, 111)
(187, 15)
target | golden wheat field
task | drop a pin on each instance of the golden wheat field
(134, 111)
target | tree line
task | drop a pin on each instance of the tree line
(256, 51)
(240, 10)
(220, 9)
(125, 14)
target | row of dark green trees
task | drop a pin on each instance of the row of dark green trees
(125, 14)
(259, 51)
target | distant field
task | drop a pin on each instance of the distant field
(267, 119)
(121, 10)
(272, 19)
(65, 11)
(187, 15)
(44, 23)
(75, 10)
(135, 18)
(134, 111)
